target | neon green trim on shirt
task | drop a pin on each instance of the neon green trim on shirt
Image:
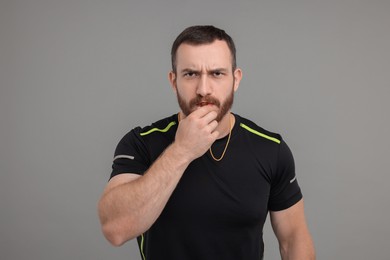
(260, 134)
(160, 130)
(142, 247)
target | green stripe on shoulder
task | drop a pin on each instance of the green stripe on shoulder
(159, 130)
(260, 134)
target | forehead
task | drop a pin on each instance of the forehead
(215, 54)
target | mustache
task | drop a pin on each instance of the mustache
(207, 99)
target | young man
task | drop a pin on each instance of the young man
(199, 184)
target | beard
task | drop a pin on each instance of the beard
(223, 107)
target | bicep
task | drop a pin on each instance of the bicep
(286, 223)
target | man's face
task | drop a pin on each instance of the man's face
(204, 77)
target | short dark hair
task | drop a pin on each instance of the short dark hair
(202, 34)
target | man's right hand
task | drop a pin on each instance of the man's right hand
(196, 133)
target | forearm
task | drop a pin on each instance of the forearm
(129, 209)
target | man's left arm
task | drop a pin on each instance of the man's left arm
(291, 230)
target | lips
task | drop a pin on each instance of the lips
(200, 101)
(204, 103)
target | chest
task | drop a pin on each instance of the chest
(232, 192)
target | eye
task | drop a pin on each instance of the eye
(218, 74)
(190, 74)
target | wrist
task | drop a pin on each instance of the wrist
(180, 155)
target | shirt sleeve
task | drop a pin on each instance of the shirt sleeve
(285, 190)
(131, 155)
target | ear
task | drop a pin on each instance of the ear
(237, 78)
(172, 80)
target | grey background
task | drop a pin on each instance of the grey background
(77, 75)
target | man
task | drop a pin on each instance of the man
(199, 184)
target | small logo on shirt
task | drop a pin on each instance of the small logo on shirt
(293, 179)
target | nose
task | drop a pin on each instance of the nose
(204, 88)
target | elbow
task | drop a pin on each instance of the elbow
(112, 231)
(117, 232)
(114, 237)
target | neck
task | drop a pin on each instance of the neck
(225, 125)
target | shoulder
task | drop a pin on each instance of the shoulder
(146, 134)
(165, 125)
(148, 141)
(255, 132)
(162, 126)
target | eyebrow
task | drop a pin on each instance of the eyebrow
(224, 70)
(209, 71)
(188, 70)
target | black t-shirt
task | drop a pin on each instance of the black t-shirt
(218, 209)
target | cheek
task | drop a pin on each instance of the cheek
(185, 90)
(182, 93)
(226, 92)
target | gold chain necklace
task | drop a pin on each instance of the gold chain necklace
(227, 143)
